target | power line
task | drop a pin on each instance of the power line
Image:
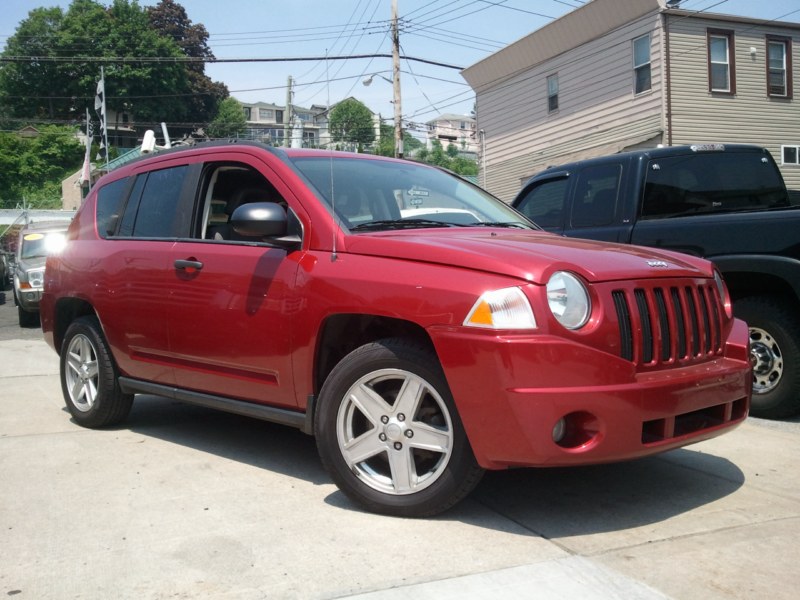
(194, 59)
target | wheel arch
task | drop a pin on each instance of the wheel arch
(66, 311)
(761, 275)
(340, 334)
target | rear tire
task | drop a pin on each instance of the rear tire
(389, 434)
(89, 378)
(775, 351)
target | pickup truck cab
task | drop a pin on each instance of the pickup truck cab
(727, 203)
(420, 328)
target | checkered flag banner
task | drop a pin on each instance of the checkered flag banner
(100, 109)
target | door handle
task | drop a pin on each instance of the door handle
(184, 264)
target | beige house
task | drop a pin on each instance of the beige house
(459, 130)
(266, 123)
(617, 75)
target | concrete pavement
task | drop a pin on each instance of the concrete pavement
(183, 502)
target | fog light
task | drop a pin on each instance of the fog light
(578, 431)
(559, 430)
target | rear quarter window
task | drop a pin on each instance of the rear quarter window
(109, 204)
(712, 183)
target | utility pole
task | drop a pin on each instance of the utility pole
(398, 112)
(287, 115)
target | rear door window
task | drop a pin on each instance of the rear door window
(711, 183)
(596, 193)
(154, 206)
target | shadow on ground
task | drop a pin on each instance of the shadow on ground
(551, 503)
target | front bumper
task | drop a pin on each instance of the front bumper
(512, 392)
(29, 299)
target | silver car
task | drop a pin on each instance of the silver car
(36, 242)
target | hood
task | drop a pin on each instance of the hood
(528, 255)
(29, 264)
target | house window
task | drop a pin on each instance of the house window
(779, 67)
(552, 93)
(721, 64)
(790, 155)
(246, 110)
(265, 113)
(641, 64)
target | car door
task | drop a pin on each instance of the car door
(230, 297)
(131, 288)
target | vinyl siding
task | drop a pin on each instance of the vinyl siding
(748, 116)
(598, 111)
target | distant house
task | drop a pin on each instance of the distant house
(266, 123)
(615, 75)
(458, 130)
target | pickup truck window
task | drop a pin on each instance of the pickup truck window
(596, 196)
(544, 204)
(711, 183)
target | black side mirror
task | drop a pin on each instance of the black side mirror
(269, 222)
(259, 219)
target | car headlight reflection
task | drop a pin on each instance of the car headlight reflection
(568, 300)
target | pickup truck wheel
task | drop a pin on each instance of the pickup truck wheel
(89, 377)
(775, 355)
(388, 432)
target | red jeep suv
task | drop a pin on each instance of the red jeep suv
(421, 329)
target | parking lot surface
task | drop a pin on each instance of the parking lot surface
(184, 502)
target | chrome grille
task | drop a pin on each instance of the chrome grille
(668, 324)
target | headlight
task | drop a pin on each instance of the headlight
(36, 278)
(507, 308)
(723, 294)
(568, 299)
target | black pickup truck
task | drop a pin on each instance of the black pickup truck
(727, 203)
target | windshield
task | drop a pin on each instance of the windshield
(371, 195)
(36, 245)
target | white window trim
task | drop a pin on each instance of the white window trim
(728, 63)
(797, 154)
(649, 63)
(552, 77)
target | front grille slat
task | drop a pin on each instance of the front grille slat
(676, 324)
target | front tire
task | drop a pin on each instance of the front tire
(89, 378)
(388, 432)
(775, 354)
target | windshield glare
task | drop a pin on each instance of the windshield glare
(42, 244)
(376, 194)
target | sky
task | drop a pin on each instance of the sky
(455, 33)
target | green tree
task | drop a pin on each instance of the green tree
(230, 120)
(351, 122)
(448, 159)
(170, 20)
(37, 89)
(32, 168)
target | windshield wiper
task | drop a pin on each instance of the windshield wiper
(514, 224)
(402, 224)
